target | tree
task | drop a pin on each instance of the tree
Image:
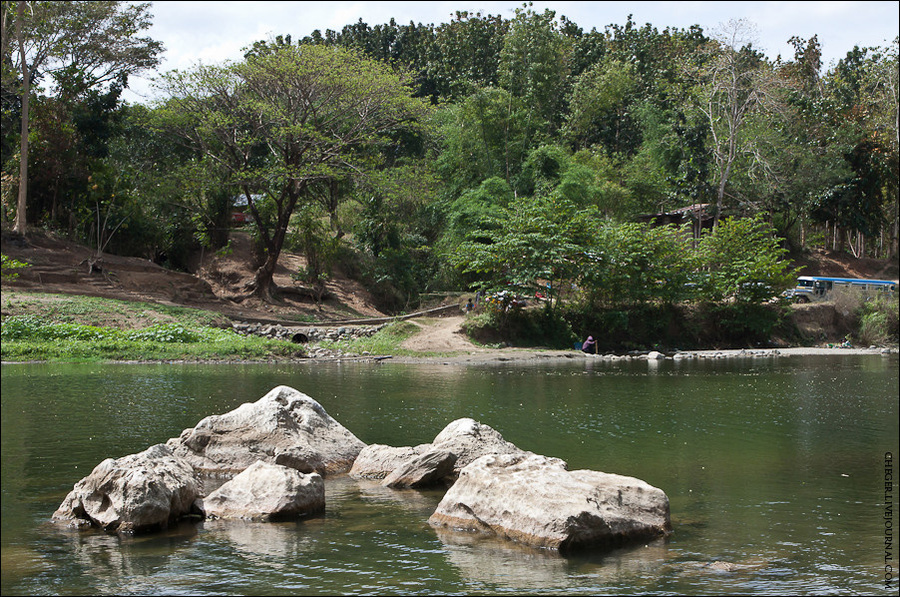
(743, 260)
(467, 54)
(598, 104)
(634, 263)
(286, 119)
(534, 64)
(537, 245)
(487, 134)
(734, 83)
(79, 45)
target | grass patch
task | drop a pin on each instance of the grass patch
(65, 328)
(102, 312)
(386, 341)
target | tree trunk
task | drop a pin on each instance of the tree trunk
(20, 224)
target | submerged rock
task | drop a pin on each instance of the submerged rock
(283, 427)
(267, 492)
(536, 501)
(136, 493)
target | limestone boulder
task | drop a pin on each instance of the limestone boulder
(136, 493)
(536, 501)
(266, 492)
(439, 462)
(424, 470)
(283, 427)
(470, 440)
(377, 461)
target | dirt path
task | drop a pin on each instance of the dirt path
(440, 334)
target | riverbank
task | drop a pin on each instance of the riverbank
(520, 355)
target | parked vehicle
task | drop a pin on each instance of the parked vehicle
(818, 288)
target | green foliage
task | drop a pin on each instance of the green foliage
(31, 337)
(879, 322)
(660, 326)
(467, 53)
(538, 245)
(743, 260)
(485, 135)
(498, 324)
(636, 263)
(476, 211)
(33, 328)
(8, 267)
(598, 107)
(534, 64)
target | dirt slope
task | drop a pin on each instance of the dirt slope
(443, 334)
(218, 284)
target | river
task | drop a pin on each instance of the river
(774, 467)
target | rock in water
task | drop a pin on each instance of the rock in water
(283, 427)
(136, 493)
(439, 462)
(267, 492)
(535, 500)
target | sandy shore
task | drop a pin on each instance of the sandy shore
(520, 354)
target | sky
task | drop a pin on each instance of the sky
(215, 32)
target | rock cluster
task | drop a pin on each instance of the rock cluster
(276, 451)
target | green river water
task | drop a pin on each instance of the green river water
(775, 470)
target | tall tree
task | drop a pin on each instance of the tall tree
(466, 54)
(534, 64)
(75, 47)
(286, 119)
(734, 83)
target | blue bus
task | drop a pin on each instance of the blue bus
(817, 288)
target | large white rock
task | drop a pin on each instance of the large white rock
(458, 444)
(470, 440)
(376, 461)
(135, 493)
(267, 492)
(536, 501)
(283, 427)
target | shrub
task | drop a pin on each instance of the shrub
(8, 267)
(879, 322)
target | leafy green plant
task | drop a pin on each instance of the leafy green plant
(879, 322)
(8, 267)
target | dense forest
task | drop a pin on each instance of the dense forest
(521, 154)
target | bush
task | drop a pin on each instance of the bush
(879, 322)
(521, 327)
(666, 327)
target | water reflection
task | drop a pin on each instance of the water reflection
(272, 545)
